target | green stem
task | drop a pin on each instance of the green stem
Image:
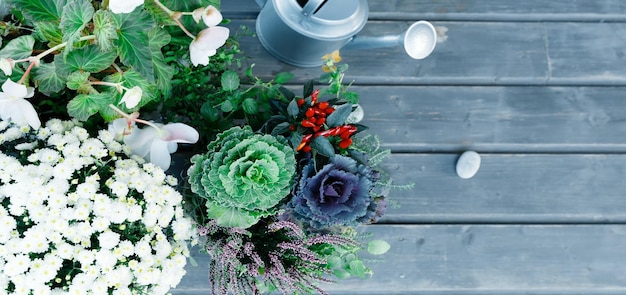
(164, 8)
(59, 46)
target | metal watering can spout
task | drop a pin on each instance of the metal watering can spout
(418, 40)
(300, 32)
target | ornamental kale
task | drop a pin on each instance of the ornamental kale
(243, 176)
(337, 194)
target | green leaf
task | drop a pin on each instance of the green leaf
(132, 41)
(50, 31)
(295, 139)
(163, 72)
(230, 217)
(308, 89)
(283, 77)
(351, 97)
(281, 128)
(356, 268)
(250, 106)
(18, 48)
(293, 109)
(209, 112)
(47, 80)
(227, 106)
(378, 247)
(339, 116)
(230, 80)
(341, 273)
(76, 15)
(160, 16)
(322, 145)
(335, 262)
(78, 80)
(40, 10)
(104, 29)
(83, 106)
(89, 59)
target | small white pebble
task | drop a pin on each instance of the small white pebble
(468, 164)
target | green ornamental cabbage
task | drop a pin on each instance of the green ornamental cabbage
(243, 176)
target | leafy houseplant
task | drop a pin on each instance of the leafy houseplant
(278, 185)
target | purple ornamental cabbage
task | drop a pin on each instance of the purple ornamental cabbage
(339, 194)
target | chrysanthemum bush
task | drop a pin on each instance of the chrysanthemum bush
(78, 215)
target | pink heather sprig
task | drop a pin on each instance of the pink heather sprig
(301, 252)
(296, 231)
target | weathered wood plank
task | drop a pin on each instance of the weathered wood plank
(483, 259)
(479, 53)
(509, 188)
(483, 10)
(496, 119)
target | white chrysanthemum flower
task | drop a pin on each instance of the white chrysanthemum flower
(16, 265)
(100, 223)
(85, 257)
(68, 208)
(66, 250)
(119, 189)
(119, 212)
(108, 240)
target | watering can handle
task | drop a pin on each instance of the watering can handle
(311, 6)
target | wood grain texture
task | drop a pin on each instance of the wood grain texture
(476, 10)
(496, 119)
(509, 188)
(479, 53)
(482, 259)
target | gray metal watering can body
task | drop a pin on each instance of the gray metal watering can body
(301, 35)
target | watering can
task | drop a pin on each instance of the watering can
(300, 32)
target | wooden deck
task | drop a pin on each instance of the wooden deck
(538, 88)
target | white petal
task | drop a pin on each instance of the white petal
(172, 147)
(197, 14)
(132, 97)
(30, 91)
(6, 66)
(124, 6)
(140, 140)
(118, 127)
(212, 38)
(160, 155)
(197, 56)
(14, 90)
(22, 112)
(179, 132)
(211, 16)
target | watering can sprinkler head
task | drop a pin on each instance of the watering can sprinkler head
(418, 40)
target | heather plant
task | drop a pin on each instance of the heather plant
(275, 255)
